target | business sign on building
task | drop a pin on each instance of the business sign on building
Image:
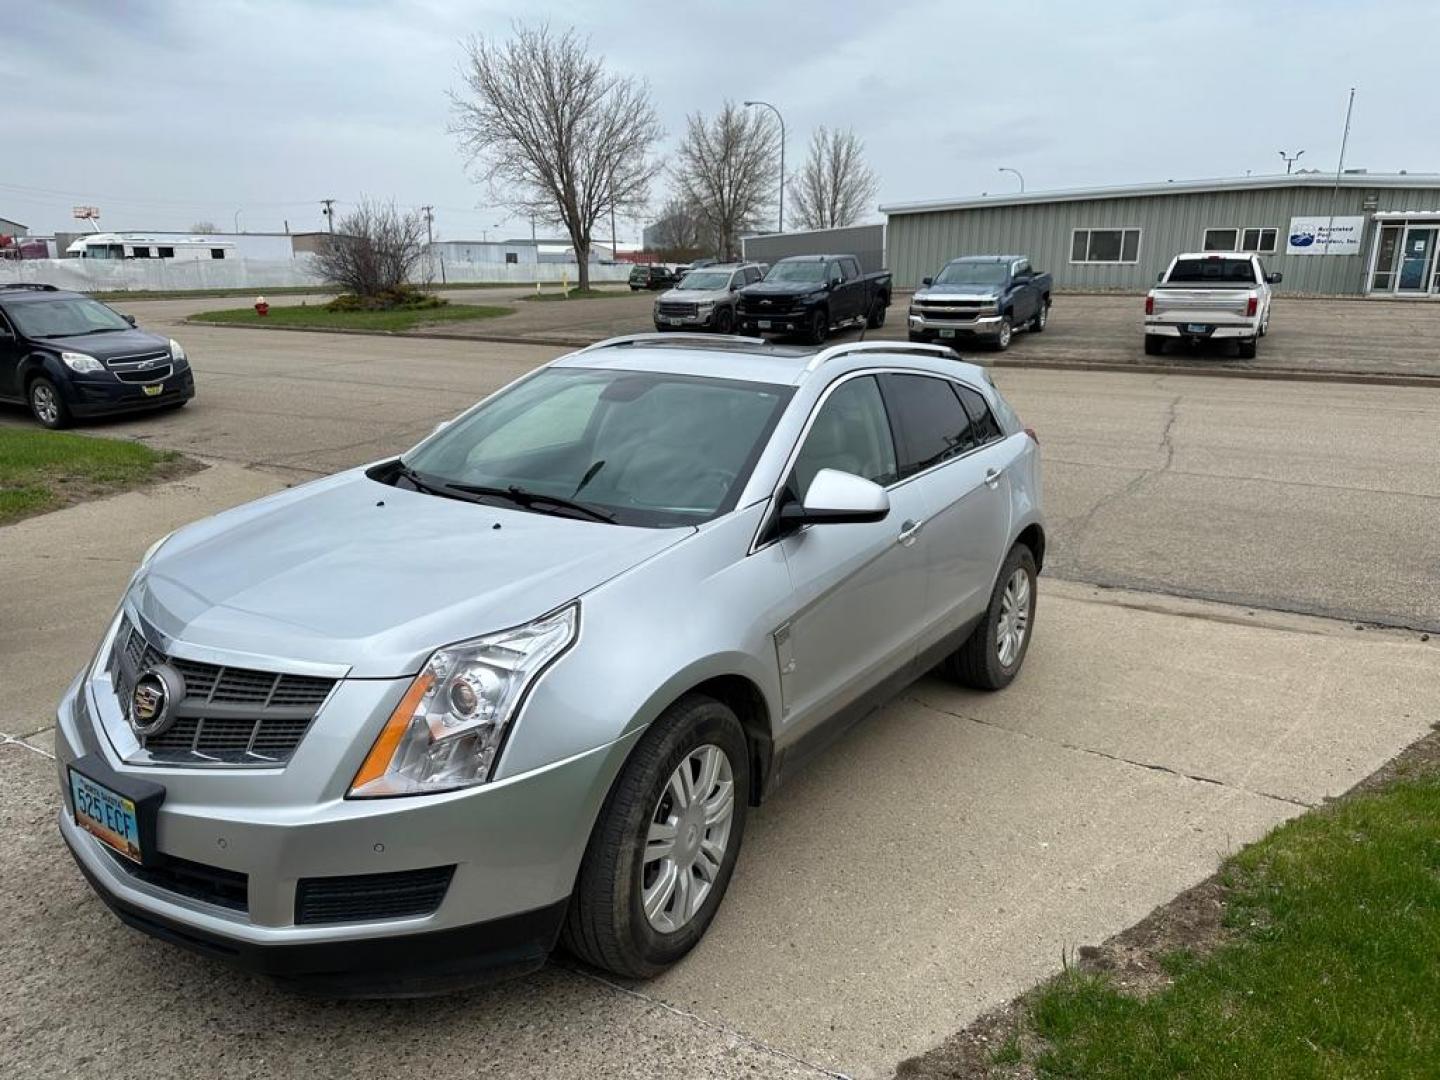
(1325, 236)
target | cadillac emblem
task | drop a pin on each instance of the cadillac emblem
(157, 692)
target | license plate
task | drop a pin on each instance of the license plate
(763, 324)
(152, 391)
(676, 322)
(106, 815)
(947, 333)
(1196, 328)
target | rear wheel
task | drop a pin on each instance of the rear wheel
(991, 656)
(1037, 324)
(876, 318)
(1154, 344)
(665, 844)
(47, 405)
(1246, 349)
(819, 328)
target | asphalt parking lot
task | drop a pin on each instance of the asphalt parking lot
(931, 865)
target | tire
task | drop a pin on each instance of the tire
(1041, 319)
(1154, 344)
(918, 337)
(876, 318)
(607, 924)
(725, 321)
(46, 404)
(1246, 349)
(819, 327)
(978, 663)
(1005, 336)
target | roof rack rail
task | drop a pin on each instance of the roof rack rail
(714, 341)
(834, 352)
(32, 285)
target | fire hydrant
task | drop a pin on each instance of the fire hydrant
(262, 306)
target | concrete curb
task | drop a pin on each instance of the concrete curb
(1359, 378)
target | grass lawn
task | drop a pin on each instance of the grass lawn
(582, 294)
(45, 470)
(1328, 963)
(316, 317)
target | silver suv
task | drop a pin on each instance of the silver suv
(706, 298)
(407, 726)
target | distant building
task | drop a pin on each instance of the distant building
(178, 245)
(12, 228)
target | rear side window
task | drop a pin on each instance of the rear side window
(931, 425)
(982, 421)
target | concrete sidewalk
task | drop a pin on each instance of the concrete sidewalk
(931, 865)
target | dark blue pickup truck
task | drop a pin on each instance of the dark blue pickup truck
(989, 297)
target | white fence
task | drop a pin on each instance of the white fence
(162, 275)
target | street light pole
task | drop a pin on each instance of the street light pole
(1290, 160)
(1018, 176)
(781, 222)
(236, 220)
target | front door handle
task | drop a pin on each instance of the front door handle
(992, 477)
(909, 531)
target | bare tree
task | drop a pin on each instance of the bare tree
(726, 168)
(554, 133)
(678, 232)
(204, 227)
(835, 187)
(376, 251)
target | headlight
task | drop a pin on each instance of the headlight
(177, 351)
(449, 726)
(81, 362)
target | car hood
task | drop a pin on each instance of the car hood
(783, 288)
(958, 292)
(349, 571)
(696, 296)
(110, 345)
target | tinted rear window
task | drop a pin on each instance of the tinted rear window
(983, 424)
(931, 426)
(1216, 271)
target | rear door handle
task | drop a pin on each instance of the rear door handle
(909, 531)
(992, 477)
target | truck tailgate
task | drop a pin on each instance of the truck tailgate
(1202, 305)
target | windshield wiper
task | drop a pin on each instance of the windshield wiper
(532, 500)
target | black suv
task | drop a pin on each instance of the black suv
(650, 277)
(66, 356)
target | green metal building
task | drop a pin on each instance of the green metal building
(1370, 234)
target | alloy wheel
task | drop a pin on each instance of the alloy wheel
(1005, 334)
(687, 837)
(45, 403)
(1014, 621)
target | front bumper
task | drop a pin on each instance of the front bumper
(98, 397)
(1205, 332)
(793, 322)
(701, 321)
(515, 846)
(927, 328)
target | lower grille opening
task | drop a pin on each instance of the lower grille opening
(365, 897)
(223, 888)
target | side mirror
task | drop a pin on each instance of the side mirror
(1160, 276)
(927, 281)
(837, 497)
(129, 318)
(1275, 278)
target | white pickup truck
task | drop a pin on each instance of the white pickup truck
(1210, 296)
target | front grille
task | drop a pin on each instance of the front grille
(366, 897)
(675, 308)
(132, 359)
(230, 715)
(145, 375)
(952, 311)
(213, 885)
(762, 308)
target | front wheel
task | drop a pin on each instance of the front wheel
(991, 656)
(47, 405)
(665, 844)
(724, 321)
(819, 327)
(876, 318)
(1007, 332)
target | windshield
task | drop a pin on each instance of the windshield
(797, 271)
(643, 448)
(707, 280)
(973, 273)
(1218, 271)
(64, 317)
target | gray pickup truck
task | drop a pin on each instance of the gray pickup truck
(988, 297)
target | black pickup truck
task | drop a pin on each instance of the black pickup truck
(811, 295)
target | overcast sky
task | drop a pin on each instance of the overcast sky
(164, 114)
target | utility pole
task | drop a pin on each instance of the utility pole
(329, 213)
(429, 220)
(1339, 168)
(1290, 160)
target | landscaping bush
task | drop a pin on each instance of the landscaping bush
(396, 298)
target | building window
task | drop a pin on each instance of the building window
(1260, 241)
(167, 253)
(1220, 240)
(1105, 246)
(511, 258)
(140, 253)
(217, 253)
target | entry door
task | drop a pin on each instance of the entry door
(857, 589)
(1417, 256)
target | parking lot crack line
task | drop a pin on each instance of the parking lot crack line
(710, 1024)
(1148, 765)
(9, 741)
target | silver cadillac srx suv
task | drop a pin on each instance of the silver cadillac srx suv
(409, 726)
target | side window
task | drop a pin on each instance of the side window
(850, 268)
(754, 274)
(835, 276)
(983, 422)
(851, 433)
(931, 425)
